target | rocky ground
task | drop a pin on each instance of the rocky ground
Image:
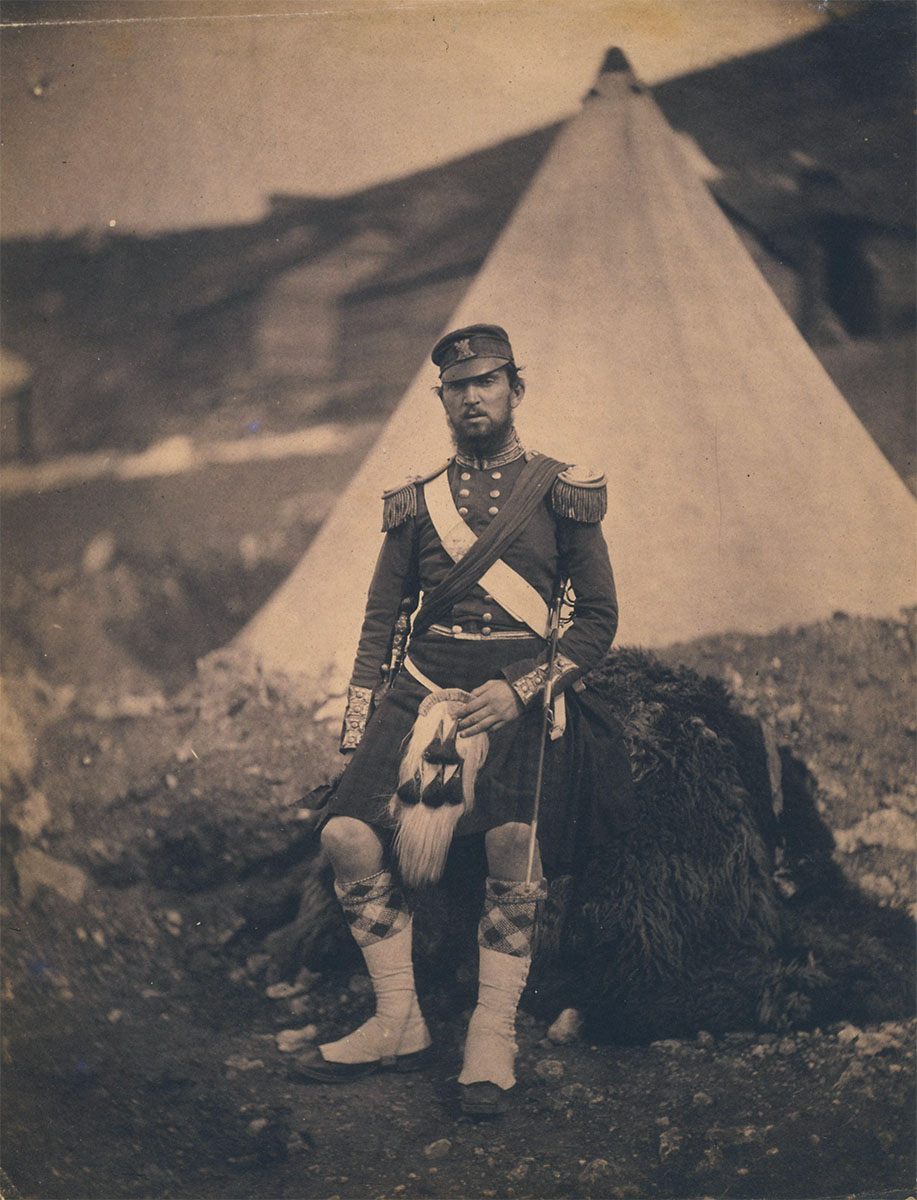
(155, 852)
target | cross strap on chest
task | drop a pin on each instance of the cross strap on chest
(478, 559)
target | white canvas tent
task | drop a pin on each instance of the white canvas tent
(744, 494)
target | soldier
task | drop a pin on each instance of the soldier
(454, 744)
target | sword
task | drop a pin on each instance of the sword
(547, 698)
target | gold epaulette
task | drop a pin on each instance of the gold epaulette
(399, 503)
(580, 494)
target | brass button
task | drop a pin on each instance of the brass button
(456, 629)
(463, 512)
(466, 475)
(493, 510)
(487, 616)
(485, 630)
(495, 493)
(488, 599)
(497, 475)
(464, 492)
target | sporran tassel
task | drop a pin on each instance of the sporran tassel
(438, 770)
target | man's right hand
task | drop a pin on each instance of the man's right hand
(492, 705)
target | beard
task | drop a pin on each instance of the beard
(485, 444)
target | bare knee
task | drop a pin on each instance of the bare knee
(353, 847)
(508, 850)
(342, 833)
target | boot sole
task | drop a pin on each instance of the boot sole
(484, 1099)
(321, 1070)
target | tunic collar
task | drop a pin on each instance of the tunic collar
(512, 449)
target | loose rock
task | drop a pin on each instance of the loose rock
(35, 869)
(789, 714)
(891, 1036)
(855, 1074)
(670, 1142)
(239, 1062)
(886, 827)
(567, 1027)
(129, 705)
(18, 758)
(306, 978)
(438, 1149)
(877, 885)
(32, 815)
(98, 553)
(848, 1034)
(596, 1171)
(291, 1040)
(296, 1143)
(282, 991)
(549, 1069)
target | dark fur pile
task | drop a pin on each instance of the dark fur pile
(680, 924)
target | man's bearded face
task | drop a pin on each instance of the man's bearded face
(480, 410)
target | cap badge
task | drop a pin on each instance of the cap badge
(463, 349)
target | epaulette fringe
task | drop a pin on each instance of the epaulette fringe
(586, 502)
(398, 505)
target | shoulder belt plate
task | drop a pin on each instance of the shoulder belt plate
(580, 494)
(399, 503)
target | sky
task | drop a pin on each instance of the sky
(141, 116)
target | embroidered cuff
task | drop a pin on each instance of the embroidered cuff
(356, 715)
(527, 687)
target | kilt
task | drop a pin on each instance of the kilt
(586, 794)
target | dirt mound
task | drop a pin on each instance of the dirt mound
(158, 864)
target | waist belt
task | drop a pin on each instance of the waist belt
(498, 635)
(559, 717)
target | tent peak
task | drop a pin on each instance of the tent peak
(607, 81)
(615, 60)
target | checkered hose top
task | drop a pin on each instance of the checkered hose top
(375, 908)
(507, 923)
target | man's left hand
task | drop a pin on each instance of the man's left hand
(492, 705)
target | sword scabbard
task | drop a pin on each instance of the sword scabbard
(547, 700)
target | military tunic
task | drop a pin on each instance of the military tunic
(477, 640)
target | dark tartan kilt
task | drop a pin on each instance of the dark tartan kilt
(587, 792)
